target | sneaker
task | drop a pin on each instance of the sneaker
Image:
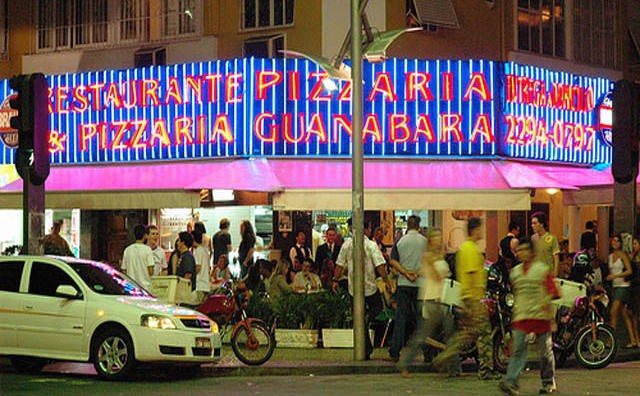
(489, 376)
(548, 388)
(509, 389)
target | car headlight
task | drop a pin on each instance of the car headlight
(214, 327)
(509, 300)
(157, 322)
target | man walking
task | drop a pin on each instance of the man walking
(546, 245)
(137, 260)
(475, 325)
(373, 262)
(533, 288)
(407, 260)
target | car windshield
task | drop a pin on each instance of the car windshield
(104, 279)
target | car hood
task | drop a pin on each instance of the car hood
(154, 305)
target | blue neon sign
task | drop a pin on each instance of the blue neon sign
(279, 108)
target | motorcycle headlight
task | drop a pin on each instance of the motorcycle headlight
(157, 322)
(508, 300)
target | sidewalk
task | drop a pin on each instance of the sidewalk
(319, 361)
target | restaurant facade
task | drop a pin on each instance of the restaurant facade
(255, 138)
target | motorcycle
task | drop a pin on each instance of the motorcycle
(499, 302)
(252, 340)
(581, 330)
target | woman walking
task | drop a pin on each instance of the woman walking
(619, 269)
(247, 245)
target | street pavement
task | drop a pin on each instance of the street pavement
(297, 361)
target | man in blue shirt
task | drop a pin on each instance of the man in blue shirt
(406, 258)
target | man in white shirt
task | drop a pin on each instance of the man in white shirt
(137, 260)
(159, 256)
(203, 267)
(373, 262)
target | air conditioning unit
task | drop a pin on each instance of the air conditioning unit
(264, 47)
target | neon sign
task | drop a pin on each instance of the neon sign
(276, 107)
(552, 116)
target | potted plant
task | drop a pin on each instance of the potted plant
(336, 320)
(296, 321)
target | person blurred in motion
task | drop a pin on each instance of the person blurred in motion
(474, 323)
(436, 318)
(533, 288)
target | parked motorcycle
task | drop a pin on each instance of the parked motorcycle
(252, 340)
(499, 302)
(581, 330)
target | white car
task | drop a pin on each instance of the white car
(61, 308)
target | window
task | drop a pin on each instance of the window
(258, 14)
(431, 13)
(594, 32)
(179, 18)
(264, 47)
(134, 21)
(541, 27)
(150, 57)
(72, 23)
(66, 24)
(4, 32)
(45, 279)
(10, 275)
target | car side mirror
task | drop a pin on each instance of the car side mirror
(68, 291)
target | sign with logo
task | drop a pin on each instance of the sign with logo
(280, 108)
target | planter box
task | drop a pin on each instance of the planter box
(297, 338)
(340, 338)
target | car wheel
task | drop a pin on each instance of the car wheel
(112, 352)
(28, 365)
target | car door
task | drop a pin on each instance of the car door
(56, 324)
(10, 303)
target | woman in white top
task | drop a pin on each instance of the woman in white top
(436, 317)
(619, 268)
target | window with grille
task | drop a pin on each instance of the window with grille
(594, 32)
(180, 18)
(65, 24)
(541, 27)
(260, 14)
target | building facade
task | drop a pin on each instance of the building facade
(95, 40)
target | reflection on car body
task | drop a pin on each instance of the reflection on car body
(61, 308)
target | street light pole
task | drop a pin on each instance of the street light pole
(357, 195)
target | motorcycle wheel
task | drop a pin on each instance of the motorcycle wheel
(255, 346)
(598, 353)
(502, 351)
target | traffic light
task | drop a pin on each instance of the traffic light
(626, 121)
(32, 123)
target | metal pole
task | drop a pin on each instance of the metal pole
(359, 330)
(26, 218)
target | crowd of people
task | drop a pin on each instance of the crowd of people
(408, 277)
